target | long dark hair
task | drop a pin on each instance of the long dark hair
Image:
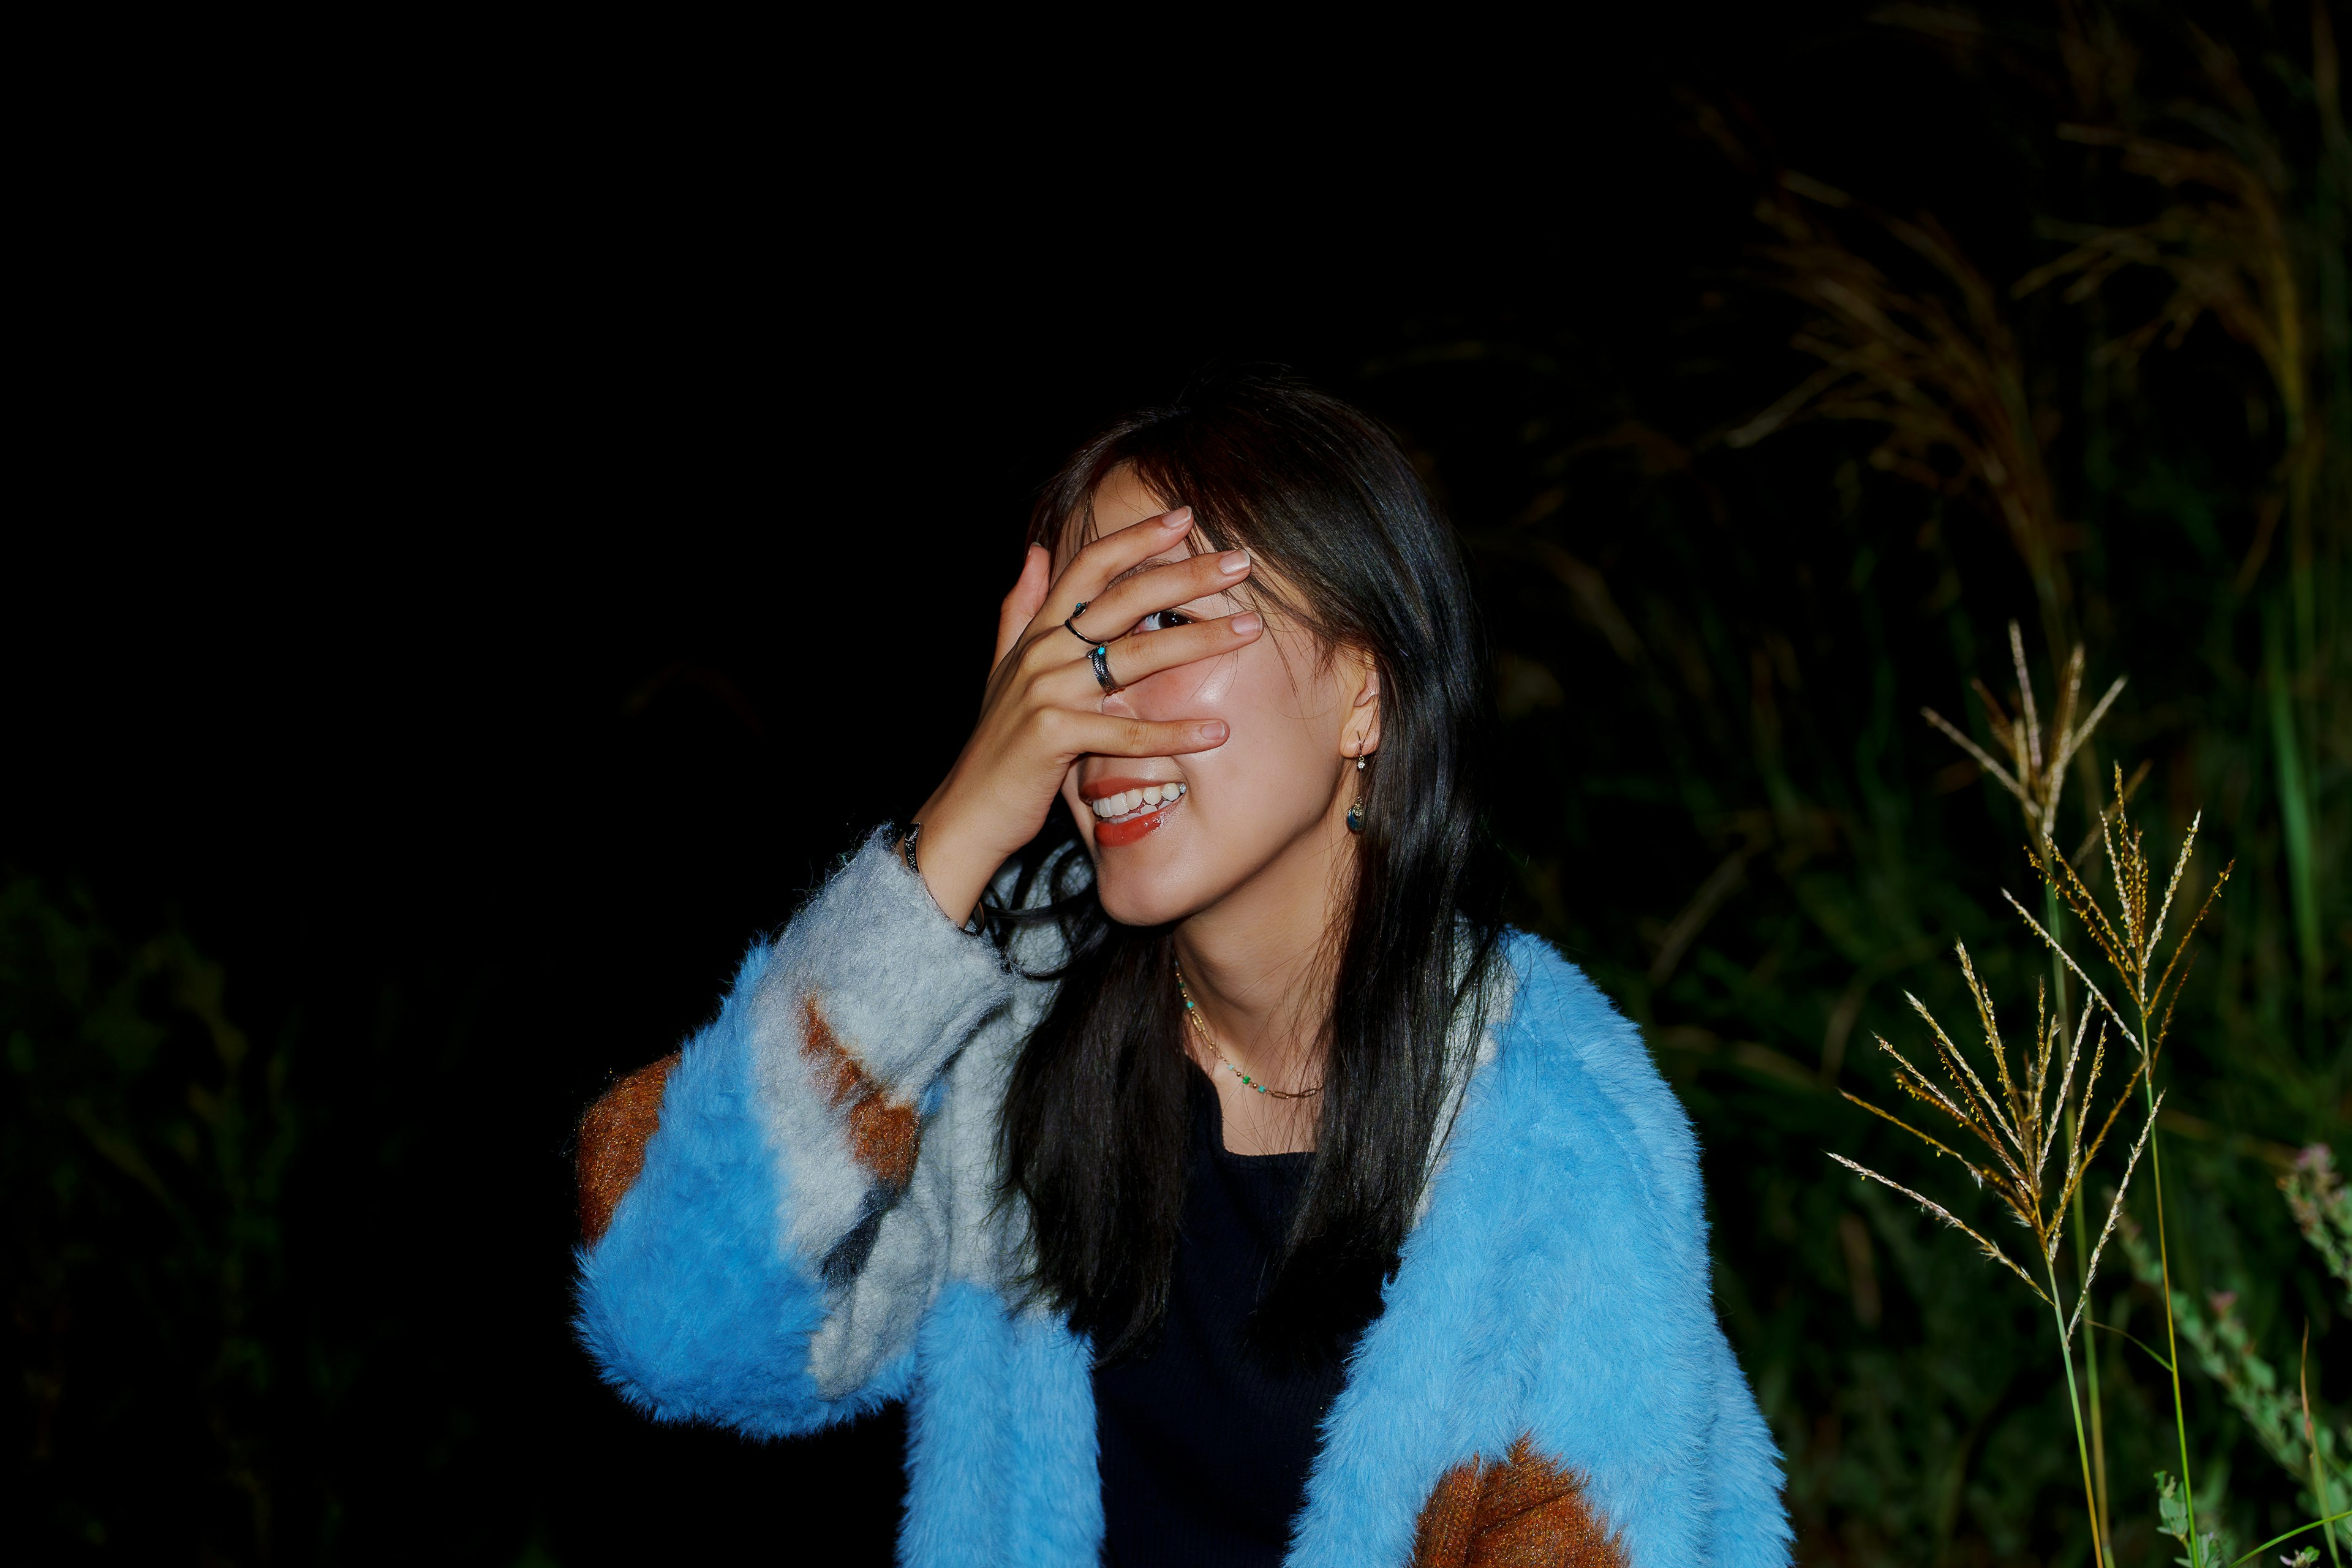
(1094, 1128)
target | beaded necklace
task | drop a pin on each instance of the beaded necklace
(1200, 1026)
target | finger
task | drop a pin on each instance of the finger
(1146, 654)
(1091, 569)
(1134, 658)
(1021, 606)
(1106, 735)
(1163, 588)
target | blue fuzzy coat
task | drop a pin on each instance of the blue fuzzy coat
(813, 1234)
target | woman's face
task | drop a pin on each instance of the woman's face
(1274, 797)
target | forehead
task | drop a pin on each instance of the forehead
(1118, 502)
(1122, 498)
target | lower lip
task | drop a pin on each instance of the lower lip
(1133, 829)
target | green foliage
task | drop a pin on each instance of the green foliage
(2172, 1519)
(2271, 1406)
(2322, 1206)
(143, 1153)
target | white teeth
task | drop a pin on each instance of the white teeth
(1129, 800)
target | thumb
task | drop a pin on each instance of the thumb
(1021, 604)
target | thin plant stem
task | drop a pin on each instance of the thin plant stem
(2144, 1348)
(2319, 1489)
(2090, 1362)
(2052, 915)
(2311, 1438)
(2171, 1341)
(2074, 1405)
(2290, 1535)
(2164, 1257)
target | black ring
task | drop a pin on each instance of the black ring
(1100, 660)
(1070, 626)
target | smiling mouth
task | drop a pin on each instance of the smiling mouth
(1127, 809)
(1134, 801)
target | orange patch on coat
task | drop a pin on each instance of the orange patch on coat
(1520, 1514)
(884, 1135)
(612, 1138)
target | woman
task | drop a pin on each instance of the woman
(1165, 1115)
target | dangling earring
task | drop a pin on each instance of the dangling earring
(1356, 812)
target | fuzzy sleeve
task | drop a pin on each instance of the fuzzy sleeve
(784, 1132)
(1750, 1525)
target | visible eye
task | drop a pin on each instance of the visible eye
(1162, 620)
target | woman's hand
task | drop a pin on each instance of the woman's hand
(1043, 710)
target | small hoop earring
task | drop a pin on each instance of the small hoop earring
(1356, 812)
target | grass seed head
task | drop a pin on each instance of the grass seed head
(2016, 1119)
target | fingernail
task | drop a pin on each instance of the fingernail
(1233, 562)
(1215, 730)
(1180, 518)
(1246, 623)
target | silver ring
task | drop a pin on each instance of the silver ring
(1101, 658)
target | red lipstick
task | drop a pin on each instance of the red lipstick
(1131, 829)
(1135, 821)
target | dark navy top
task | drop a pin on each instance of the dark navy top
(1205, 1445)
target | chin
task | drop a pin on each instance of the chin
(1143, 895)
(1150, 881)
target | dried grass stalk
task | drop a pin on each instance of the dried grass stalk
(1940, 369)
(2130, 937)
(2016, 1115)
(2017, 1120)
(2036, 771)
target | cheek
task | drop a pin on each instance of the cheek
(1206, 689)
(1279, 733)
(1079, 811)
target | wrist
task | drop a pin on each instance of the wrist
(954, 868)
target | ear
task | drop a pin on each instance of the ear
(1359, 733)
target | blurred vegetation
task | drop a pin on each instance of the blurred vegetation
(1732, 583)
(144, 1155)
(231, 1263)
(1726, 571)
